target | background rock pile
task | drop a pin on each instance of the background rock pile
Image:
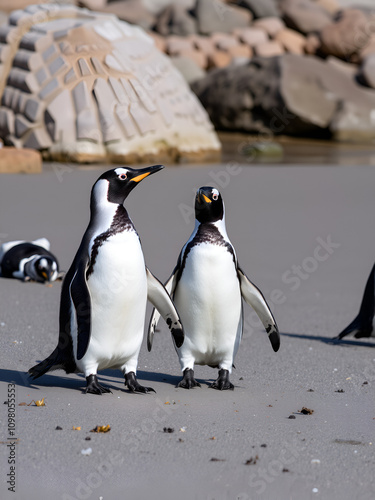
(297, 67)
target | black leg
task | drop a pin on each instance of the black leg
(93, 386)
(188, 380)
(222, 382)
(132, 384)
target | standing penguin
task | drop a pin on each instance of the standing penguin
(104, 293)
(362, 324)
(29, 261)
(207, 286)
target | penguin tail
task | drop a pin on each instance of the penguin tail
(54, 361)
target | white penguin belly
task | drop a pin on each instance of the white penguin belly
(208, 298)
(118, 289)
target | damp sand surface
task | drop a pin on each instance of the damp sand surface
(305, 236)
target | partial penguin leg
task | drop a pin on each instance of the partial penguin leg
(188, 381)
(93, 386)
(222, 382)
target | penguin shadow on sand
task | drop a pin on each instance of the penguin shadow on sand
(21, 379)
(328, 340)
(361, 326)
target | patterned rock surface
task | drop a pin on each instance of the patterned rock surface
(83, 86)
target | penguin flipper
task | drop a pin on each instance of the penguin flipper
(159, 296)
(254, 297)
(80, 296)
(362, 323)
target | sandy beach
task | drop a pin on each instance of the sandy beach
(305, 237)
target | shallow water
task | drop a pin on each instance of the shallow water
(296, 151)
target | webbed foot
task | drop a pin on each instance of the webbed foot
(222, 382)
(188, 381)
(93, 386)
(133, 385)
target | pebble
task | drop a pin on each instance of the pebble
(88, 451)
(315, 461)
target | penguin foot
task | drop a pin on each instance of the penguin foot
(222, 382)
(188, 380)
(133, 385)
(93, 386)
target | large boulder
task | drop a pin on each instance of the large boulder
(83, 86)
(289, 94)
(304, 15)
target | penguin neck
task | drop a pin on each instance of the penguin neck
(219, 224)
(108, 216)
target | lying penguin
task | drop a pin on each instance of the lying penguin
(362, 324)
(104, 293)
(207, 286)
(29, 261)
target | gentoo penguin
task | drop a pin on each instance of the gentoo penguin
(29, 260)
(104, 293)
(362, 325)
(207, 285)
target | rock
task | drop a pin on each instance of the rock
(368, 70)
(215, 16)
(232, 95)
(175, 44)
(347, 36)
(349, 69)
(291, 40)
(331, 6)
(93, 4)
(312, 44)
(368, 49)
(188, 68)
(269, 49)
(175, 20)
(157, 6)
(263, 8)
(98, 90)
(218, 59)
(304, 15)
(289, 94)
(271, 25)
(224, 41)
(15, 161)
(251, 36)
(197, 56)
(132, 11)
(204, 44)
(240, 53)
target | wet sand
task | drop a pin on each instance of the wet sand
(305, 237)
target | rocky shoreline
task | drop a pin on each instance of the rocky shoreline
(302, 68)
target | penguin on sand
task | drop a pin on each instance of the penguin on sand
(362, 324)
(104, 293)
(207, 286)
(29, 261)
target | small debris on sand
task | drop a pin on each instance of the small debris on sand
(306, 411)
(252, 460)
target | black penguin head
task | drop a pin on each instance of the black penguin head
(45, 268)
(120, 181)
(209, 206)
